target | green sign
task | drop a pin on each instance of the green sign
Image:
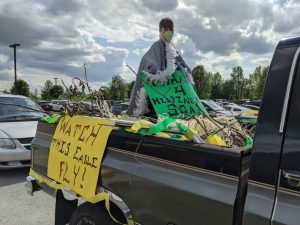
(175, 98)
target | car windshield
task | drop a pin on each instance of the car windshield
(214, 106)
(20, 110)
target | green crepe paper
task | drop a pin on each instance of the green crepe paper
(157, 128)
(179, 92)
(249, 141)
(51, 119)
(247, 120)
(162, 126)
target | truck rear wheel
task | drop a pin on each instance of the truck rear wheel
(91, 214)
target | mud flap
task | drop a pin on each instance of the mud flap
(63, 208)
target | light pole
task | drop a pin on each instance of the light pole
(88, 86)
(84, 65)
(55, 78)
(14, 46)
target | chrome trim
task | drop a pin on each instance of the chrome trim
(276, 198)
(70, 195)
(292, 175)
(29, 185)
(122, 206)
(288, 92)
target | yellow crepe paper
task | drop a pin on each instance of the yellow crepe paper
(215, 140)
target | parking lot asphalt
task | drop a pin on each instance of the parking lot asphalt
(19, 208)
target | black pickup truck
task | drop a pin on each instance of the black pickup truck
(154, 181)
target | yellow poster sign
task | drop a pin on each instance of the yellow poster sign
(76, 152)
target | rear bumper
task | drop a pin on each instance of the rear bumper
(14, 158)
(32, 185)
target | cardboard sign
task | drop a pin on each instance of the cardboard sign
(175, 98)
(76, 152)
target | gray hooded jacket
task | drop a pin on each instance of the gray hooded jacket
(152, 61)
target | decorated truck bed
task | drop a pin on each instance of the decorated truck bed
(153, 179)
(134, 165)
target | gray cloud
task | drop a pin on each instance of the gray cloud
(254, 44)
(160, 6)
(58, 7)
(57, 37)
(20, 30)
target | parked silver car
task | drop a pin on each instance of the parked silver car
(214, 109)
(18, 122)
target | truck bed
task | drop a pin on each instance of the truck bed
(153, 173)
(210, 157)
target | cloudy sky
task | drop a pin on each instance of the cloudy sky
(58, 36)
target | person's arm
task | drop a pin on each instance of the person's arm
(184, 67)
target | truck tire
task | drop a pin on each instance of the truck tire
(87, 214)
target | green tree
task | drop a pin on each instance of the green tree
(46, 90)
(216, 86)
(262, 81)
(202, 81)
(129, 88)
(258, 79)
(238, 82)
(20, 87)
(227, 89)
(117, 88)
(248, 89)
(56, 91)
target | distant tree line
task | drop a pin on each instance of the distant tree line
(207, 85)
(211, 85)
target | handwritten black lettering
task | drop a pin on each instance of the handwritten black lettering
(61, 168)
(94, 134)
(186, 100)
(81, 138)
(65, 177)
(172, 110)
(76, 128)
(94, 162)
(162, 100)
(178, 99)
(68, 148)
(174, 80)
(76, 172)
(155, 101)
(183, 109)
(64, 124)
(83, 174)
(180, 89)
(78, 149)
(61, 147)
(53, 142)
(57, 144)
(68, 132)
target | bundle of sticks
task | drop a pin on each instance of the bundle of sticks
(227, 127)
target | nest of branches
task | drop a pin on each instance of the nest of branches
(94, 104)
(91, 104)
(226, 127)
